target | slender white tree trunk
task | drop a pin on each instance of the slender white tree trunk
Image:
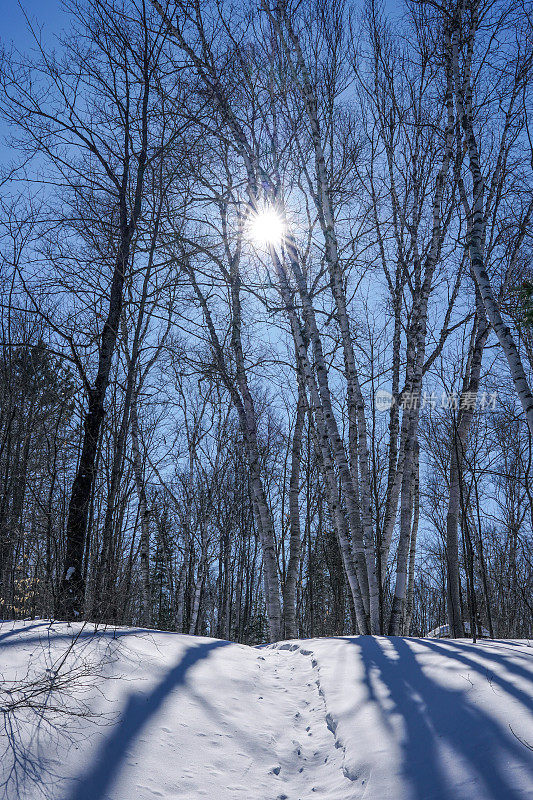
(412, 551)
(463, 95)
(480, 332)
(144, 549)
(339, 520)
(289, 594)
(358, 498)
(243, 402)
(416, 358)
(180, 602)
(200, 578)
(321, 404)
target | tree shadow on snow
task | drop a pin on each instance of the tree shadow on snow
(461, 651)
(436, 716)
(107, 764)
(52, 636)
(15, 631)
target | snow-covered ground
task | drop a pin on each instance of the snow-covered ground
(140, 715)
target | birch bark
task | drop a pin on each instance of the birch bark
(144, 547)
(463, 100)
(358, 499)
(417, 346)
(289, 594)
(320, 402)
(243, 402)
(412, 552)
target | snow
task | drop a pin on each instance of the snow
(161, 715)
(443, 632)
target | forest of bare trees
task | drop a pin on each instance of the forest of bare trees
(266, 363)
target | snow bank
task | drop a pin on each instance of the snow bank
(135, 715)
(431, 720)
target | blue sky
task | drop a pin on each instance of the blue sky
(48, 15)
(14, 29)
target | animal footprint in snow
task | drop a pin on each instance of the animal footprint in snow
(276, 770)
(360, 773)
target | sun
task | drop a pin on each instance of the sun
(266, 227)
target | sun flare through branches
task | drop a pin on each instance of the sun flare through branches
(266, 227)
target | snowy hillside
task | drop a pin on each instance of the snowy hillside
(139, 715)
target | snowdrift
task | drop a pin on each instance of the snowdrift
(127, 714)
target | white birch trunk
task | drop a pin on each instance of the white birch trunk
(355, 495)
(202, 569)
(321, 406)
(180, 602)
(144, 548)
(416, 357)
(463, 95)
(289, 594)
(412, 551)
(243, 402)
(469, 392)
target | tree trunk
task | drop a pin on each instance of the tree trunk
(243, 402)
(144, 548)
(195, 611)
(412, 552)
(289, 594)
(330, 442)
(463, 93)
(70, 600)
(467, 401)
